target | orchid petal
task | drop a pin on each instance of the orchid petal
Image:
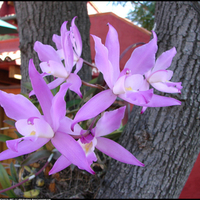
(169, 74)
(143, 109)
(17, 106)
(41, 90)
(68, 52)
(60, 53)
(143, 58)
(164, 60)
(24, 147)
(65, 127)
(162, 101)
(159, 76)
(138, 98)
(57, 69)
(145, 85)
(63, 30)
(43, 129)
(43, 74)
(57, 40)
(91, 157)
(45, 67)
(125, 71)
(96, 105)
(89, 150)
(45, 52)
(13, 144)
(169, 87)
(77, 37)
(61, 163)
(76, 83)
(58, 109)
(116, 151)
(37, 128)
(55, 83)
(24, 127)
(119, 87)
(79, 65)
(70, 148)
(174, 84)
(134, 82)
(102, 62)
(109, 122)
(112, 44)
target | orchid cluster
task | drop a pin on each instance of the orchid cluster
(135, 84)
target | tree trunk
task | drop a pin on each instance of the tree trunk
(165, 139)
(39, 20)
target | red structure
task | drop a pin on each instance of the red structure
(7, 8)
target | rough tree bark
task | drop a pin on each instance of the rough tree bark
(39, 20)
(166, 139)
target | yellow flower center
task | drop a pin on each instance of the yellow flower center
(128, 88)
(88, 146)
(33, 133)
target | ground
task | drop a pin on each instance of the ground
(70, 183)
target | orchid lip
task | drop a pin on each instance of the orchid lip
(128, 71)
(30, 121)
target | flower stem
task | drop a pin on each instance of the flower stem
(31, 177)
(89, 64)
(129, 47)
(92, 85)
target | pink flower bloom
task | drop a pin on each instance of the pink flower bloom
(91, 139)
(76, 42)
(38, 129)
(127, 84)
(159, 77)
(69, 46)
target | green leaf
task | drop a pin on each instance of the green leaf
(4, 138)
(114, 135)
(5, 182)
(27, 85)
(13, 173)
(19, 158)
(10, 122)
(55, 90)
(34, 157)
(73, 102)
(18, 134)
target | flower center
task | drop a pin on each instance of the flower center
(33, 133)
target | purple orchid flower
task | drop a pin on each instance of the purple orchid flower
(75, 37)
(38, 129)
(91, 139)
(69, 46)
(159, 77)
(127, 84)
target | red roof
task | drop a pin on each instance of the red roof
(9, 45)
